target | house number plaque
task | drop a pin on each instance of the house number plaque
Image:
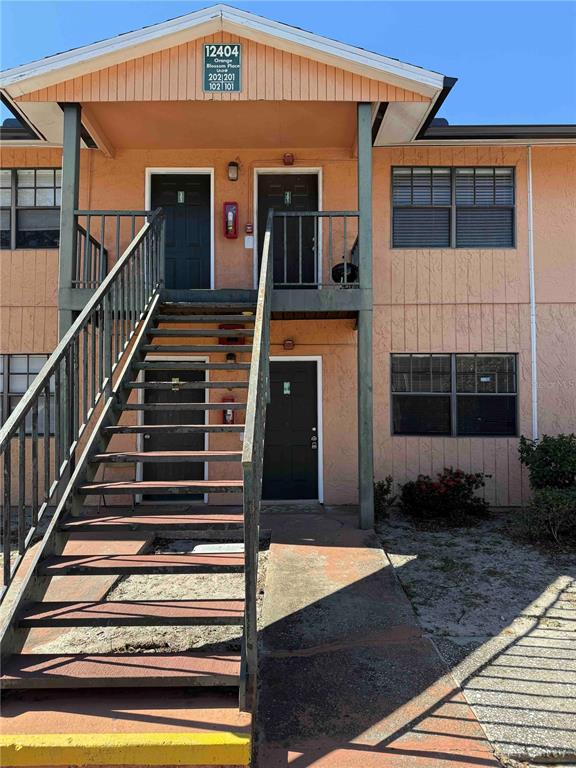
(222, 67)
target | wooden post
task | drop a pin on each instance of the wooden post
(365, 365)
(69, 203)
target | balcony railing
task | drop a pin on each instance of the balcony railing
(101, 238)
(311, 249)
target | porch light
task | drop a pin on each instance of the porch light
(288, 158)
(288, 344)
(233, 171)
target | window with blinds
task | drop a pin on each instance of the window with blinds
(454, 394)
(452, 207)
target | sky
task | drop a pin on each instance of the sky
(515, 61)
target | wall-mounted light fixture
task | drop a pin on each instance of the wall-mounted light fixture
(231, 357)
(233, 168)
(288, 158)
(288, 344)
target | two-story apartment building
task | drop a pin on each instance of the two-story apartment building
(421, 305)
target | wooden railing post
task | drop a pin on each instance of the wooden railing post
(68, 206)
(365, 365)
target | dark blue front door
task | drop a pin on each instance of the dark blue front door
(185, 199)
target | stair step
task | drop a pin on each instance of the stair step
(130, 457)
(193, 668)
(217, 307)
(154, 522)
(214, 348)
(199, 333)
(206, 318)
(133, 613)
(108, 565)
(184, 406)
(177, 365)
(168, 385)
(161, 487)
(176, 429)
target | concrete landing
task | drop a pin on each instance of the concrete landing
(347, 677)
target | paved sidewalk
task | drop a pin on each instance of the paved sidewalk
(347, 677)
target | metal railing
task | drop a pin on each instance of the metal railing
(315, 248)
(91, 260)
(100, 234)
(253, 460)
(41, 439)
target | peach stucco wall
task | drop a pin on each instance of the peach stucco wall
(441, 300)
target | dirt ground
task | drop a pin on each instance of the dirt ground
(169, 587)
(502, 615)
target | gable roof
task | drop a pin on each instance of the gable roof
(79, 61)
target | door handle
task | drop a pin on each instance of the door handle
(146, 437)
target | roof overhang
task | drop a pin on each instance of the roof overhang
(74, 63)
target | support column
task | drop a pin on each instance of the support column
(365, 364)
(69, 203)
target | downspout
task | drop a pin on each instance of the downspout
(533, 323)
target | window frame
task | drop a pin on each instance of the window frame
(14, 208)
(453, 395)
(6, 394)
(453, 209)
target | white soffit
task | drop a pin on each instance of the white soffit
(80, 61)
(401, 123)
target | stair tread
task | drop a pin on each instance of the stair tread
(213, 348)
(185, 365)
(153, 521)
(176, 428)
(199, 333)
(183, 406)
(206, 318)
(229, 562)
(132, 456)
(188, 385)
(114, 670)
(129, 612)
(164, 486)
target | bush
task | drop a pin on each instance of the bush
(551, 461)
(383, 498)
(449, 499)
(550, 517)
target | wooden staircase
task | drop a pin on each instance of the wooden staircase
(65, 542)
(190, 331)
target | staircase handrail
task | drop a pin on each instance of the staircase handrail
(95, 343)
(253, 456)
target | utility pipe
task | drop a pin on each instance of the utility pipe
(533, 319)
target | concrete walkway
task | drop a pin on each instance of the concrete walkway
(347, 677)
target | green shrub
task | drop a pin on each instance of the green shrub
(551, 461)
(383, 497)
(550, 517)
(449, 499)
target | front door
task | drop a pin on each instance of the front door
(295, 243)
(191, 470)
(291, 445)
(185, 199)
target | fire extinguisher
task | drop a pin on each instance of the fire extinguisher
(228, 413)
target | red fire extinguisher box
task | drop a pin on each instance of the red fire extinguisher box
(231, 339)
